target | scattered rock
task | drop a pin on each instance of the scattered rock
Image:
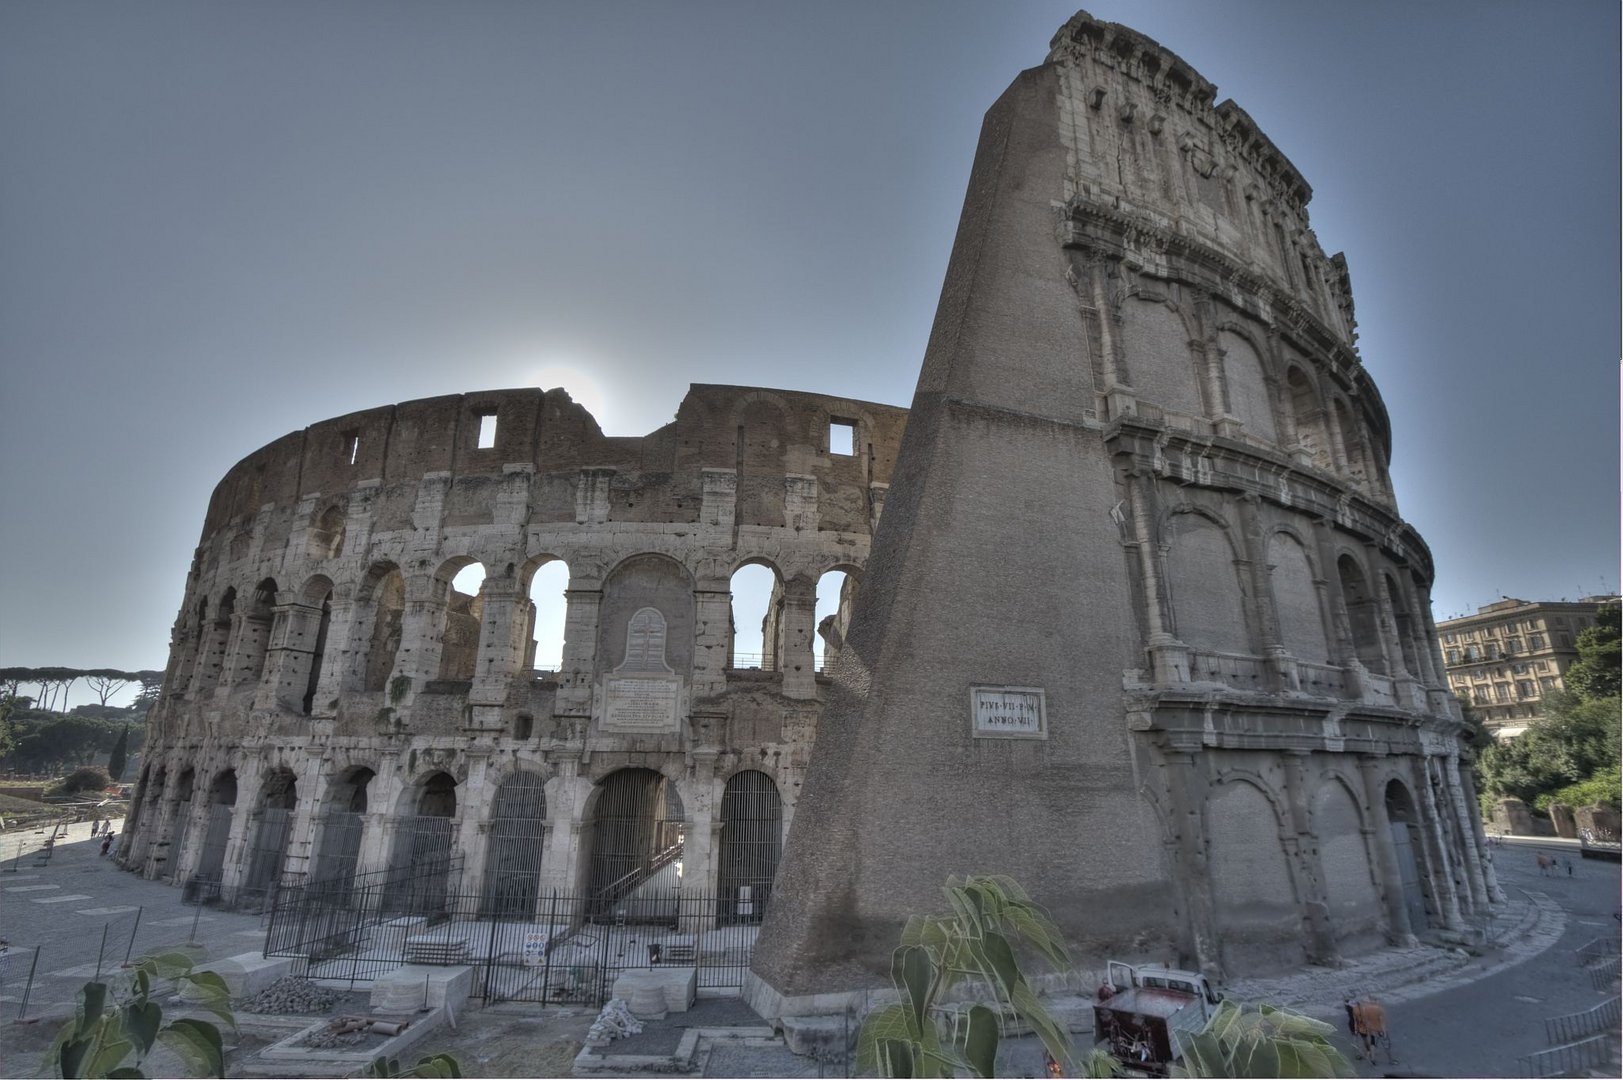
(291, 996)
(614, 1022)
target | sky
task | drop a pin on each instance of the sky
(220, 223)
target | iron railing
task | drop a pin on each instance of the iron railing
(563, 949)
(1569, 1059)
(1574, 1026)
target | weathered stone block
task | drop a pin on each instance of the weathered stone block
(677, 986)
(247, 974)
(418, 986)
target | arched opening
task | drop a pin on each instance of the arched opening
(219, 636)
(342, 827)
(1296, 600)
(513, 858)
(549, 608)
(1258, 921)
(1307, 415)
(1352, 443)
(523, 727)
(184, 789)
(1363, 618)
(256, 632)
(385, 597)
(1407, 845)
(327, 535)
(1355, 907)
(836, 597)
(635, 830)
(318, 654)
(751, 841)
(198, 658)
(1404, 627)
(1248, 398)
(1203, 585)
(278, 798)
(420, 871)
(464, 611)
(216, 832)
(757, 600)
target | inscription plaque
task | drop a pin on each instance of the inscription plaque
(641, 704)
(1007, 712)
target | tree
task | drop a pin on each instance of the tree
(121, 750)
(111, 1039)
(8, 728)
(87, 778)
(105, 682)
(1598, 672)
(918, 1036)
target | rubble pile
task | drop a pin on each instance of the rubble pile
(614, 1022)
(292, 996)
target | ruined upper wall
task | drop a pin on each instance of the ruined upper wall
(1148, 142)
(764, 435)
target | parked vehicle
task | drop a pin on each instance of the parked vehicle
(1140, 1013)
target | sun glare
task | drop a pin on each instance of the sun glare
(583, 388)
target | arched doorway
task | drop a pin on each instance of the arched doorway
(216, 832)
(420, 872)
(513, 858)
(635, 830)
(341, 828)
(751, 841)
(1406, 843)
(278, 798)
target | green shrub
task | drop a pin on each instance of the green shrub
(86, 778)
(1605, 787)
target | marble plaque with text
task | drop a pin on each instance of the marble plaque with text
(1007, 712)
(641, 704)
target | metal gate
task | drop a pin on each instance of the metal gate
(211, 861)
(1414, 895)
(751, 841)
(422, 851)
(275, 829)
(636, 835)
(513, 856)
(340, 849)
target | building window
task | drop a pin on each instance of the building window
(1560, 623)
(1513, 645)
(1448, 639)
(842, 437)
(1525, 688)
(1501, 691)
(1481, 695)
(1479, 674)
(1453, 656)
(1535, 642)
(1472, 654)
(487, 431)
(1548, 682)
(1562, 641)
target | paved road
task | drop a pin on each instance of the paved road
(64, 907)
(1480, 1029)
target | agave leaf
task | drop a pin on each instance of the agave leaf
(198, 1043)
(888, 1023)
(980, 1040)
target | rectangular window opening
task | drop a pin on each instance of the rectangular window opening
(487, 431)
(352, 446)
(842, 438)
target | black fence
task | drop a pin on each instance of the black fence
(562, 949)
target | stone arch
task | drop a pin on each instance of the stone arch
(1161, 366)
(462, 618)
(216, 640)
(1404, 628)
(1350, 431)
(763, 432)
(546, 580)
(1205, 589)
(635, 830)
(751, 844)
(837, 589)
(326, 539)
(343, 824)
(1354, 902)
(277, 801)
(1308, 418)
(1363, 614)
(1245, 380)
(317, 593)
(381, 612)
(424, 847)
(755, 619)
(641, 581)
(1297, 607)
(1253, 891)
(253, 645)
(513, 850)
(1408, 843)
(217, 830)
(185, 792)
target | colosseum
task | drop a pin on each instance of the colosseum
(1139, 625)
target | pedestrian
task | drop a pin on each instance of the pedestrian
(106, 845)
(1544, 863)
(1566, 860)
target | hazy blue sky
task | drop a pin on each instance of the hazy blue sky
(222, 222)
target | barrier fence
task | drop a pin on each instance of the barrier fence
(1569, 1059)
(561, 948)
(1573, 1026)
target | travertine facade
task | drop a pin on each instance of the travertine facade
(1142, 627)
(322, 665)
(1508, 656)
